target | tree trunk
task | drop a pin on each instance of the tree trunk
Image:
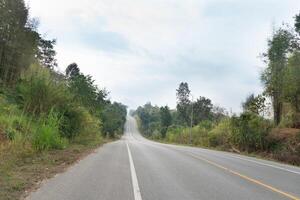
(277, 110)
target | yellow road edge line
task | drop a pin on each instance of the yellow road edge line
(246, 177)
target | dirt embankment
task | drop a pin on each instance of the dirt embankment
(285, 145)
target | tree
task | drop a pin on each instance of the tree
(254, 104)
(72, 70)
(113, 118)
(276, 57)
(165, 120)
(149, 118)
(202, 110)
(85, 91)
(183, 102)
(46, 53)
(18, 40)
(297, 23)
(292, 81)
(218, 113)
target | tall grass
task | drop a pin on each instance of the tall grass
(47, 135)
(39, 91)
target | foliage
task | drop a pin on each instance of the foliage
(220, 135)
(218, 113)
(20, 43)
(202, 110)
(291, 82)
(279, 47)
(77, 120)
(40, 106)
(38, 91)
(149, 118)
(297, 23)
(183, 102)
(114, 117)
(46, 53)
(249, 131)
(281, 44)
(165, 120)
(47, 135)
(254, 104)
(85, 91)
(72, 70)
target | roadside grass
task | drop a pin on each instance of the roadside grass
(22, 169)
(270, 156)
(32, 148)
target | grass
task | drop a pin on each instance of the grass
(22, 169)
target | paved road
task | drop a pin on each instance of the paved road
(134, 168)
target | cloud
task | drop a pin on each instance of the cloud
(141, 50)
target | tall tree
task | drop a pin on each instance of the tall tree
(276, 57)
(254, 104)
(46, 53)
(149, 118)
(113, 118)
(165, 120)
(297, 23)
(202, 110)
(183, 102)
(18, 40)
(72, 70)
(292, 81)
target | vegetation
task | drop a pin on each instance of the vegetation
(42, 110)
(201, 123)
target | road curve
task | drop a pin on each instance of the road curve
(134, 168)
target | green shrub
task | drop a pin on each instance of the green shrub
(12, 120)
(220, 134)
(39, 91)
(47, 134)
(249, 131)
(175, 134)
(206, 124)
(156, 135)
(73, 121)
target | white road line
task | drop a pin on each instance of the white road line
(236, 157)
(135, 184)
(265, 164)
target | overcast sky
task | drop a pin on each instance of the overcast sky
(141, 50)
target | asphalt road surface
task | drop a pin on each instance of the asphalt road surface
(134, 168)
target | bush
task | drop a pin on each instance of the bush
(12, 120)
(249, 132)
(74, 121)
(39, 91)
(175, 134)
(47, 135)
(220, 135)
(206, 124)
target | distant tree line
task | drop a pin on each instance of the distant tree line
(157, 120)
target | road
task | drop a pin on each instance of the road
(135, 168)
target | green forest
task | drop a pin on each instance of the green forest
(43, 110)
(254, 130)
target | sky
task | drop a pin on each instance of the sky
(140, 50)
